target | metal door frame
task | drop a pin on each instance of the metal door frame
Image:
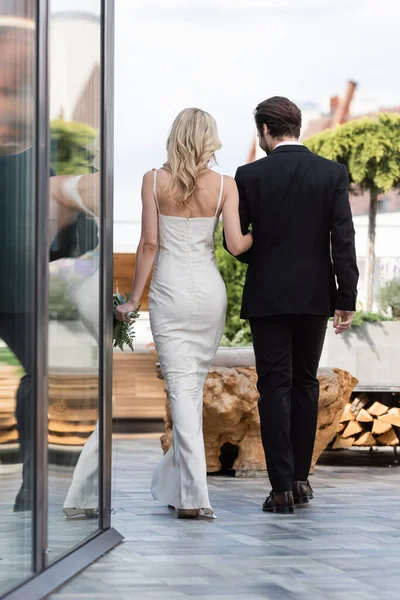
(47, 579)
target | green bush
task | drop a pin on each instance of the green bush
(369, 148)
(60, 307)
(361, 317)
(70, 147)
(237, 331)
(390, 297)
(7, 357)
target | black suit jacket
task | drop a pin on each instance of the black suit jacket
(75, 239)
(298, 206)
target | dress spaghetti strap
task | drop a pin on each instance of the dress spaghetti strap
(220, 196)
(155, 191)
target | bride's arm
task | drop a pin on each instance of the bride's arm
(236, 242)
(88, 188)
(147, 247)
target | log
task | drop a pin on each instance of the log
(60, 412)
(352, 429)
(389, 439)
(359, 403)
(341, 427)
(67, 440)
(380, 427)
(392, 417)
(77, 403)
(342, 442)
(71, 426)
(8, 436)
(366, 439)
(7, 394)
(7, 421)
(348, 414)
(230, 415)
(377, 409)
(364, 416)
(336, 387)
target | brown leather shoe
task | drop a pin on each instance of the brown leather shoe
(281, 503)
(302, 492)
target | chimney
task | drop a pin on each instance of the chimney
(343, 109)
(253, 151)
(334, 104)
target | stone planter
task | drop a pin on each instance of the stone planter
(71, 346)
(230, 413)
(370, 352)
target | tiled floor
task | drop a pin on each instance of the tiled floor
(16, 527)
(346, 545)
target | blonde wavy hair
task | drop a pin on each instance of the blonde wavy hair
(191, 147)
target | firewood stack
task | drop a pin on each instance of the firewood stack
(367, 423)
(73, 407)
(9, 381)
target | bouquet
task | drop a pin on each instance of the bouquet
(123, 331)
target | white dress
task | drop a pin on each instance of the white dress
(187, 305)
(82, 497)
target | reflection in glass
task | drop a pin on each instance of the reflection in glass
(74, 278)
(17, 281)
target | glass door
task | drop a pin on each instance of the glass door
(74, 282)
(56, 229)
(17, 289)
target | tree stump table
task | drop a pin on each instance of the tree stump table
(230, 416)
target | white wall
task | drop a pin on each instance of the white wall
(74, 52)
(387, 251)
(387, 234)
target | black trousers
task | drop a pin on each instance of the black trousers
(288, 349)
(16, 331)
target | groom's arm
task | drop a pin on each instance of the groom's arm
(244, 214)
(343, 246)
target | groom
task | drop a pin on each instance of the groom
(298, 206)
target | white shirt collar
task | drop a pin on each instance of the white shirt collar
(289, 143)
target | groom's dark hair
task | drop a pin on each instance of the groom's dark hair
(280, 115)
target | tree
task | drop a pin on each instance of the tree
(370, 149)
(71, 147)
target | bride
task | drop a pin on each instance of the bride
(70, 195)
(181, 205)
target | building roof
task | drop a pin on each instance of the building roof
(325, 121)
(387, 203)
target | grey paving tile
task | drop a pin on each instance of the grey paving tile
(338, 547)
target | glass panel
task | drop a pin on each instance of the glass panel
(17, 285)
(74, 276)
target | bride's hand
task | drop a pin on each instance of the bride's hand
(124, 309)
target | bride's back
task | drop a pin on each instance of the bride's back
(203, 203)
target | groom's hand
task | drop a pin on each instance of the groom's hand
(342, 320)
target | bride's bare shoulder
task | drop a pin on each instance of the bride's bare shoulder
(148, 175)
(229, 183)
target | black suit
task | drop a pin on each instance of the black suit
(298, 207)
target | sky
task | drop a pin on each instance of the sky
(225, 56)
